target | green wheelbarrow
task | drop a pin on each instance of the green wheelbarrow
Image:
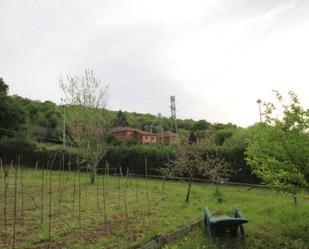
(223, 225)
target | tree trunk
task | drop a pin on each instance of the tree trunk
(93, 175)
(189, 190)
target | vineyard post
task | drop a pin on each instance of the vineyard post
(124, 193)
(79, 201)
(42, 193)
(1, 167)
(147, 190)
(97, 194)
(104, 196)
(35, 169)
(5, 180)
(50, 201)
(50, 206)
(74, 190)
(14, 208)
(22, 193)
(59, 186)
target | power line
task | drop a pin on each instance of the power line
(256, 23)
(274, 3)
(228, 27)
(290, 12)
(287, 15)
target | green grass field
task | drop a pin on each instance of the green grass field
(138, 214)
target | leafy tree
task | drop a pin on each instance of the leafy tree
(223, 134)
(186, 124)
(233, 150)
(87, 116)
(4, 88)
(12, 113)
(201, 125)
(279, 152)
(120, 120)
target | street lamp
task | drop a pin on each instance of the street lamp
(260, 112)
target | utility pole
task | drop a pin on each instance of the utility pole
(63, 136)
(173, 114)
(160, 127)
(260, 111)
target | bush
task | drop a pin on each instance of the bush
(133, 157)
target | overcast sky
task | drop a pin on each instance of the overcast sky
(216, 56)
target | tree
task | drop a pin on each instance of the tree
(87, 117)
(201, 125)
(120, 120)
(4, 88)
(279, 151)
(192, 159)
(13, 116)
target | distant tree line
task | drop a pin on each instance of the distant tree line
(27, 124)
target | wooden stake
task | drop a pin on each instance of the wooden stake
(79, 201)
(35, 169)
(97, 194)
(104, 197)
(50, 201)
(59, 186)
(1, 167)
(124, 193)
(74, 190)
(147, 190)
(14, 208)
(5, 176)
(42, 193)
(22, 194)
(50, 206)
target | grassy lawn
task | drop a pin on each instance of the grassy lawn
(138, 210)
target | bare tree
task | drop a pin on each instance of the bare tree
(87, 117)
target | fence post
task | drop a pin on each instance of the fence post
(22, 194)
(147, 190)
(14, 208)
(124, 193)
(50, 206)
(42, 193)
(5, 176)
(79, 201)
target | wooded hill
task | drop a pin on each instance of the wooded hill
(28, 125)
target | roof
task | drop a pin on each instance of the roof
(123, 129)
(167, 134)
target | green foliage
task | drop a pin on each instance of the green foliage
(46, 119)
(223, 134)
(11, 146)
(13, 115)
(87, 116)
(4, 88)
(120, 120)
(201, 125)
(133, 157)
(233, 150)
(279, 152)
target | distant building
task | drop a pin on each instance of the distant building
(132, 134)
(166, 137)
